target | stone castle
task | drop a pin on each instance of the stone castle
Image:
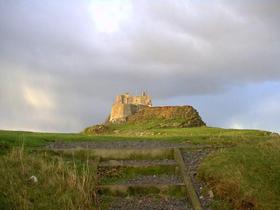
(126, 105)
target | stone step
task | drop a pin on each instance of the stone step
(142, 181)
(123, 190)
(154, 202)
(137, 163)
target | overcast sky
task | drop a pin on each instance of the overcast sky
(63, 62)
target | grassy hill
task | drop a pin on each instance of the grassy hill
(243, 174)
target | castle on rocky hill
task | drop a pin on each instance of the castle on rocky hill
(139, 109)
(126, 105)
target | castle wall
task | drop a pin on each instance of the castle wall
(126, 105)
(117, 111)
(141, 100)
(127, 99)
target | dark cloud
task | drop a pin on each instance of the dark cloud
(59, 73)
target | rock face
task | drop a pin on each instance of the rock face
(126, 105)
(168, 116)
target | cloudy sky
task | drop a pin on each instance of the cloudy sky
(62, 62)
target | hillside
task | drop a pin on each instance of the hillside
(153, 117)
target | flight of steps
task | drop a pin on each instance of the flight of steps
(144, 181)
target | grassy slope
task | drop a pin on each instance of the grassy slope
(245, 175)
(63, 183)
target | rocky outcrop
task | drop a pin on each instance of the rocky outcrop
(168, 116)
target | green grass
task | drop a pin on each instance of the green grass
(202, 135)
(62, 183)
(247, 175)
(34, 139)
(198, 135)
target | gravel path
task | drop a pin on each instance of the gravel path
(138, 163)
(117, 145)
(149, 203)
(192, 160)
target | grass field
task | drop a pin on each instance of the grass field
(243, 176)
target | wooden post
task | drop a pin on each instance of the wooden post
(187, 180)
